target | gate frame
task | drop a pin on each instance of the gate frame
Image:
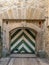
(28, 21)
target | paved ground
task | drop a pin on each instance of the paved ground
(23, 61)
(4, 61)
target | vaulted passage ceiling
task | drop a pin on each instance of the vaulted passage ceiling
(25, 8)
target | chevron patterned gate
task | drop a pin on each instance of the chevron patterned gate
(22, 41)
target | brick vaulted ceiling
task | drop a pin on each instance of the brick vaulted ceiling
(22, 9)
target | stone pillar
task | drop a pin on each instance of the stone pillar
(47, 38)
(43, 35)
(5, 39)
(38, 41)
(41, 43)
(47, 45)
(0, 43)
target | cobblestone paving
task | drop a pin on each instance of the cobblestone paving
(4, 61)
(23, 61)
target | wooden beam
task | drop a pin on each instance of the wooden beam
(23, 19)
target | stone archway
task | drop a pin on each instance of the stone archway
(8, 26)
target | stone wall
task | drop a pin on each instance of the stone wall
(24, 9)
(0, 43)
(29, 10)
(47, 41)
(47, 28)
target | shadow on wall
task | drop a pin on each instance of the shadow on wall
(0, 43)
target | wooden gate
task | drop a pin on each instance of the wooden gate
(22, 41)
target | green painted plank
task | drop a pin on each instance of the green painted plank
(26, 44)
(33, 36)
(16, 39)
(29, 39)
(23, 49)
(25, 37)
(19, 44)
(17, 31)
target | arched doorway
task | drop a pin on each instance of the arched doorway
(22, 40)
(12, 26)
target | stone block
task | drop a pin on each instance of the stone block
(41, 54)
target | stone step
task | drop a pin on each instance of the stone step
(23, 55)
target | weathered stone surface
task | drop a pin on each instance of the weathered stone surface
(4, 61)
(26, 9)
(24, 61)
(47, 42)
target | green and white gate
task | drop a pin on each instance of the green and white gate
(22, 41)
